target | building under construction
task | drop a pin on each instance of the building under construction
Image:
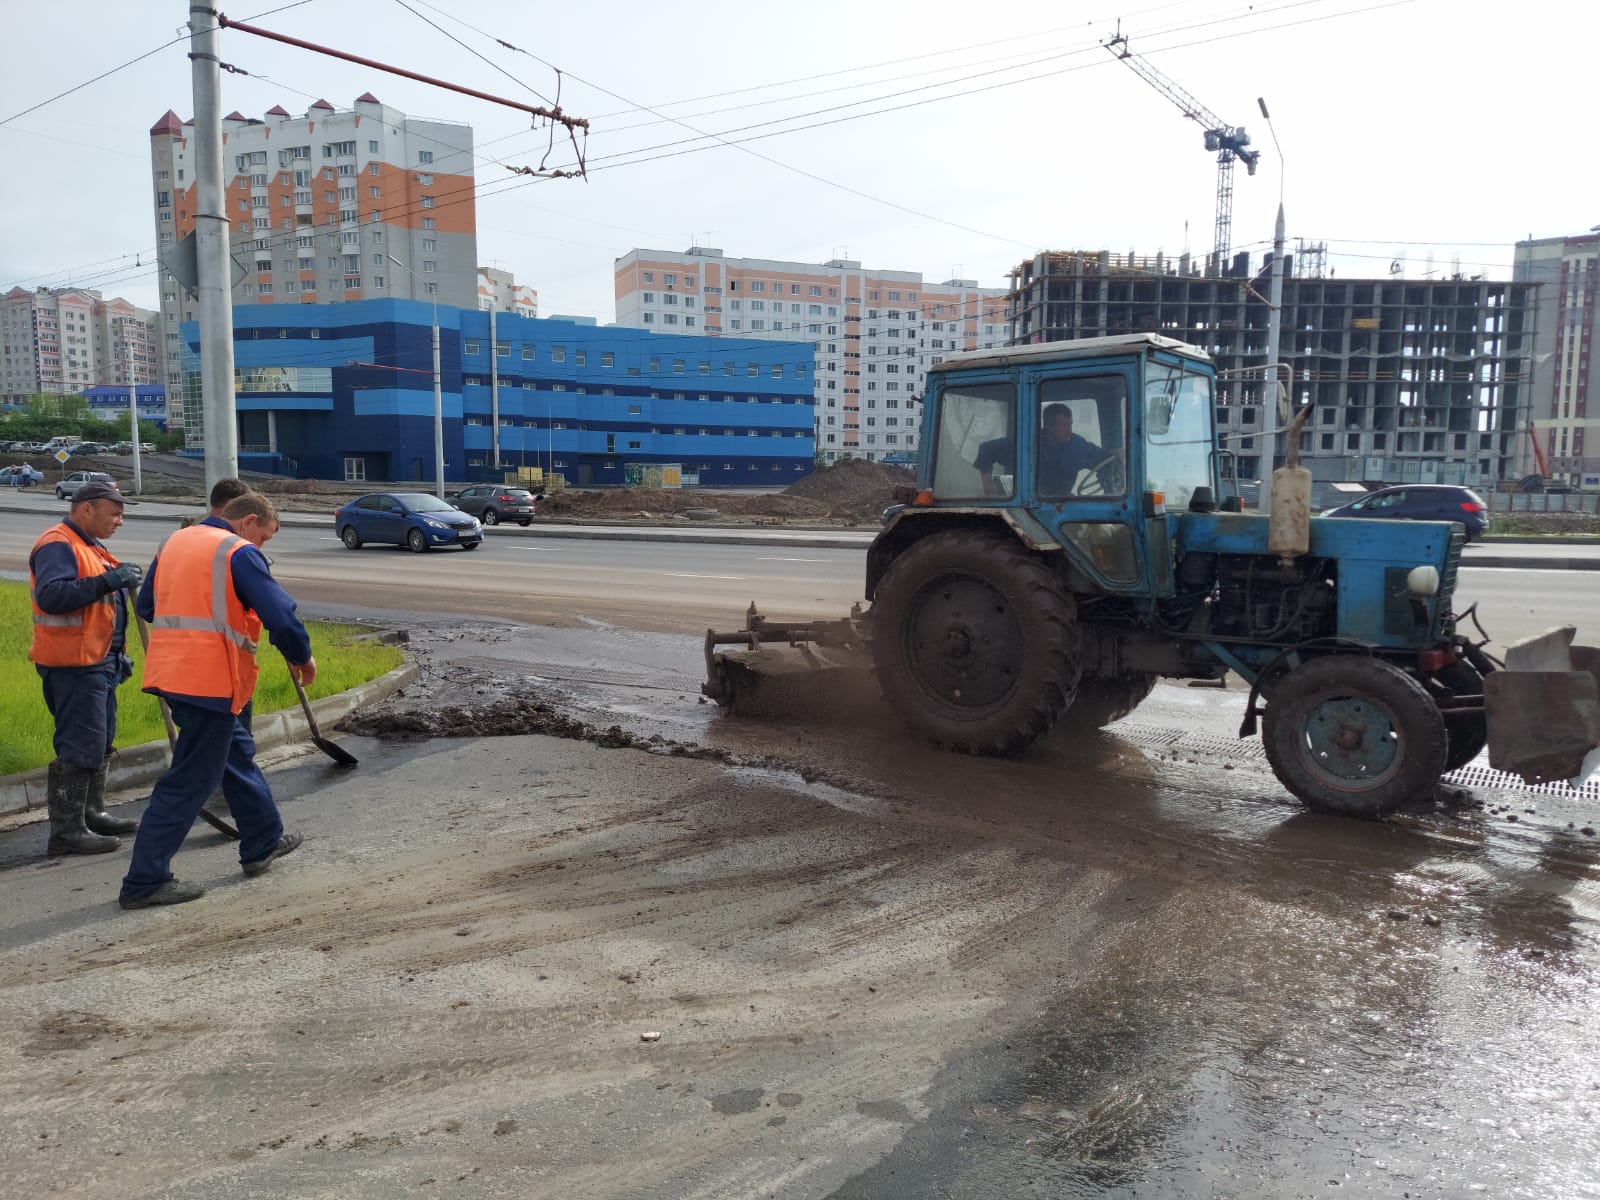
(1413, 380)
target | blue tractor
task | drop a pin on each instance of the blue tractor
(1064, 548)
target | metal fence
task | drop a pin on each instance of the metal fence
(1539, 502)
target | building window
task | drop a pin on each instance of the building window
(355, 470)
(607, 358)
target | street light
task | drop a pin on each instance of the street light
(438, 393)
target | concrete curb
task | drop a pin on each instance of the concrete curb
(139, 766)
(1532, 564)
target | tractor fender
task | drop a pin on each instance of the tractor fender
(910, 525)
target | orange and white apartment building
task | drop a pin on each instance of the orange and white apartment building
(874, 333)
(320, 206)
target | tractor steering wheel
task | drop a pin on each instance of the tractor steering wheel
(1092, 483)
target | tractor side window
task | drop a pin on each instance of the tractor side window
(975, 455)
(1079, 448)
(1178, 417)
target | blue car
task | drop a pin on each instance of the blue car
(415, 520)
(1422, 502)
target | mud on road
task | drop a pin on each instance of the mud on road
(650, 961)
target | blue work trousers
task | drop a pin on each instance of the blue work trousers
(83, 703)
(214, 749)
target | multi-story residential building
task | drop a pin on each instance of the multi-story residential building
(327, 207)
(1412, 380)
(499, 290)
(1565, 405)
(69, 339)
(346, 392)
(873, 333)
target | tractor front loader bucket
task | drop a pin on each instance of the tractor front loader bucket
(780, 669)
(1543, 710)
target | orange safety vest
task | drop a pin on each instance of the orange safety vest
(203, 639)
(83, 637)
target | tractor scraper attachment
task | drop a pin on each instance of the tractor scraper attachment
(777, 668)
(1543, 710)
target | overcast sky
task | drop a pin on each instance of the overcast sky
(1434, 132)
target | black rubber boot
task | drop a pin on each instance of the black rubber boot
(67, 795)
(95, 816)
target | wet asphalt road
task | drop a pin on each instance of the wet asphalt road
(1123, 967)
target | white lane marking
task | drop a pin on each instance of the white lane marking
(780, 558)
(537, 549)
(686, 575)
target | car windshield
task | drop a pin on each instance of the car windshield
(422, 502)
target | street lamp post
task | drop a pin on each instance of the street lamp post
(438, 392)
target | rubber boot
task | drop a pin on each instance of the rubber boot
(95, 816)
(68, 793)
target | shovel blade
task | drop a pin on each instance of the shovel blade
(1543, 710)
(335, 751)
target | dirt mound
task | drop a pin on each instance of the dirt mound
(633, 502)
(278, 485)
(853, 488)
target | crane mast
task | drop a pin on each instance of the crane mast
(1229, 142)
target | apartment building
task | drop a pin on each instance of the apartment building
(326, 207)
(345, 391)
(1565, 396)
(70, 339)
(499, 290)
(873, 333)
(1411, 380)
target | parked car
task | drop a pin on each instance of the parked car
(20, 476)
(494, 502)
(77, 479)
(1422, 502)
(412, 519)
(86, 448)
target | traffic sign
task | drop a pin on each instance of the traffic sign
(62, 456)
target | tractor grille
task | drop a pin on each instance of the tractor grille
(1447, 580)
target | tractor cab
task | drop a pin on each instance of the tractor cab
(1084, 445)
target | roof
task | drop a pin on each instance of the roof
(367, 98)
(323, 104)
(1100, 347)
(169, 124)
(278, 110)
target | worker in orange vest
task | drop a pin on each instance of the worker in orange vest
(80, 622)
(207, 598)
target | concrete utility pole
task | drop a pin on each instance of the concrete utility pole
(494, 393)
(133, 413)
(214, 267)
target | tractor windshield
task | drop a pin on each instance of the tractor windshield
(1178, 416)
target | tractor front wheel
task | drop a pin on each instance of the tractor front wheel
(975, 642)
(1354, 736)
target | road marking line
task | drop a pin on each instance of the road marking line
(780, 558)
(536, 549)
(686, 575)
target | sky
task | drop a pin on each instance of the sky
(1413, 137)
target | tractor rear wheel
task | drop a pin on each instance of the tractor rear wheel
(1354, 736)
(975, 642)
(1105, 699)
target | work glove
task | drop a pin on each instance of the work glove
(127, 576)
(124, 668)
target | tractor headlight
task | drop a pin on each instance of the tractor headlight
(1423, 581)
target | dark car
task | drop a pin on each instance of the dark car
(77, 479)
(494, 502)
(1422, 502)
(412, 519)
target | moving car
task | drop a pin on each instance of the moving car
(416, 520)
(492, 503)
(77, 479)
(1422, 502)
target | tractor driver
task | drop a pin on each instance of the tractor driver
(1062, 453)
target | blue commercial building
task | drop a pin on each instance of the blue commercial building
(345, 391)
(111, 403)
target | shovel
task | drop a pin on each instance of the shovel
(225, 828)
(332, 749)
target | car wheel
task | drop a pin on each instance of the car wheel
(470, 545)
(491, 517)
(525, 522)
(417, 541)
(350, 537)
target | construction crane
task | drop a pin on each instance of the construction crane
(1230, 142)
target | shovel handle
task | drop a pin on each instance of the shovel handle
(305, 706)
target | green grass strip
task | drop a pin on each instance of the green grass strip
(26, 728)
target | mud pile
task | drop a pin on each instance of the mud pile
(636, 502)
(853, 488)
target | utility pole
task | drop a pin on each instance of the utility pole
(494, 392)
(1274, 316)
(133, 413)
(213, 266)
